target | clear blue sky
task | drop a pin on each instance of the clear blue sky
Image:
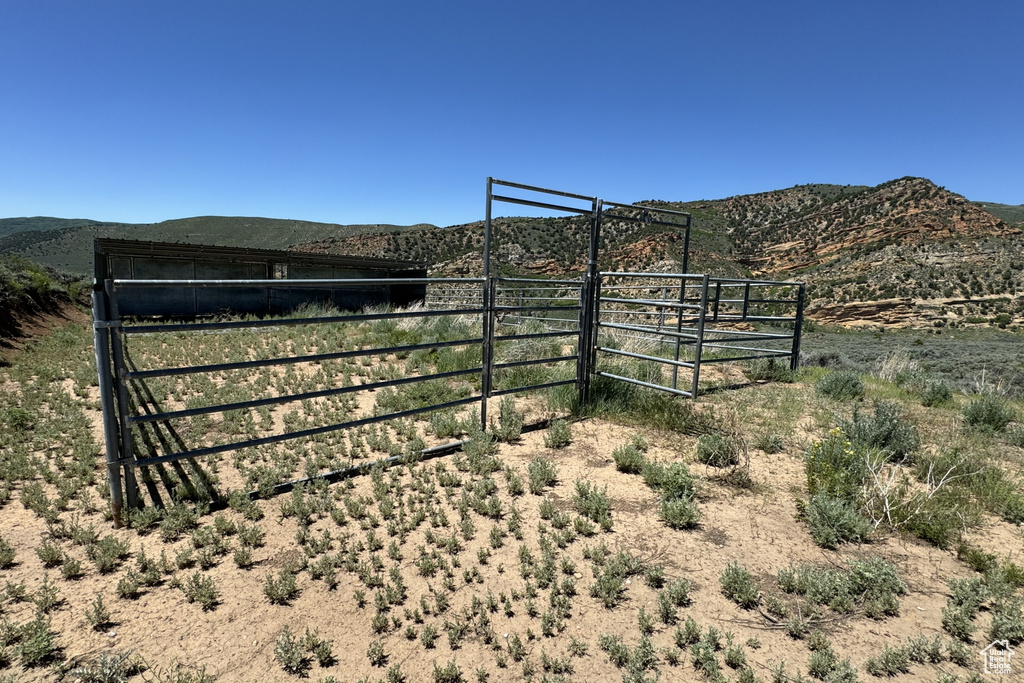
(396, 112)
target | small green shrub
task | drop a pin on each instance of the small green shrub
(289, 653)
(71, 569)
(449, 673)
(593, 504)
(428, 636)
(618, 651)
(988, 413)
(769, 370)
(841, 385)
(629, 459)
(201, 589)
(739, 586)
(376, 653)
(717, 450)
(769, 442)
(510, 421)
(543, 473)
(1007, 621)
(936, 392)
(834, 520)
(282, 590)
(886, 430)
(835, 467)
(608, 587)
(6, 553)
(50, 554)
(679, 513)
(558, 435)
(957, 621)
(38, 643)
(97, 614)
(891, 662)
(673, 481)
(1015, 435)
(107, 553)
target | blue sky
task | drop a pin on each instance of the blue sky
(396, 112)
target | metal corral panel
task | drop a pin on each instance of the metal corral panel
(137, 260)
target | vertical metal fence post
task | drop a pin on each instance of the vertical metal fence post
(595, 325)
(486, 389)
(588, 300)
(582, 344)
(485, 317)
(123, 404)
(698, 351)
(679, 330)
(798, 324)
(746, 300)
(718, 297)
(101, 345)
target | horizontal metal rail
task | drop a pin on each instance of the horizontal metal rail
(754, 318)
(536, 309)
(540, 205)
(674, 212)
(674, 287)
(291, 398)
(649, 385)
(544, 190)
(533, 387)
(755, 301)
(295, 282)
(747, 333)
(286, 322)
(292, 360)
(503, 298)
(536, 335)
(662, 276)
(733, 359)
(746, 339)
(532, 361)
(740, 348)
(542, 284)
(739, 282)
(641, 356)
(652, 302)
(315, 431)
(667, 333)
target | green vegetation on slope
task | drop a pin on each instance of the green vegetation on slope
(69, 247)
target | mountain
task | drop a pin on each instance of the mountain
(903, 253)
(1011, 214)
(67, 244)
(9, 226)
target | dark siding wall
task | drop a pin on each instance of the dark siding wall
(192, 301)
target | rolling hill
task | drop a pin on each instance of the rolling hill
(67, 244)
(903, 253)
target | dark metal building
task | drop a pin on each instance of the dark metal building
(140, 260)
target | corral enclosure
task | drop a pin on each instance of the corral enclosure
(182, 391)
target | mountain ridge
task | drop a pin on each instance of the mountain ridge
(904, 253)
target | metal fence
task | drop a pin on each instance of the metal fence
(129, 406)
(577, 329)
(700, 323)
